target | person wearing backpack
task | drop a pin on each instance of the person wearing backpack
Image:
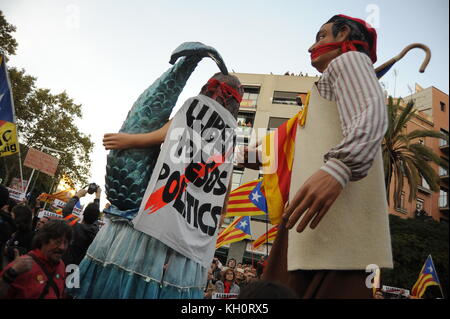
(40, 274)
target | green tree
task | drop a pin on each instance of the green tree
(412, 241)
(7, 41)
(44, 119)
(404, 156)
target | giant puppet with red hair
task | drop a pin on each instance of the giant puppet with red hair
(158, 242)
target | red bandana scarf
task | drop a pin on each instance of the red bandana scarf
(347, 46)
(223, 90)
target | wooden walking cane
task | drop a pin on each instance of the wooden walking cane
(386, 66)
(276, 269)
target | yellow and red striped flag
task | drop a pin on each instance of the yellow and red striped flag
(63, 195)
(278, 157)
(266, 237)
(427, 277)
(247, 200)
(238, 230)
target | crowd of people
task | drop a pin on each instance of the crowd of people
(243, 281)
(300, 74)
(33, 247)
(232, 277)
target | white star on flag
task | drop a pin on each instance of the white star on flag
(430, 269)
(243, 224)
(256, 196)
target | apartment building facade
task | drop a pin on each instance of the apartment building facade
(432, 114)
(268, 101)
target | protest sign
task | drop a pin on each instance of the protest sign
(16, 195)
(218, 295)
(41, 161)
(46, 213)
(185, 196)
(395, 291)
(17, 185)
(59, 203)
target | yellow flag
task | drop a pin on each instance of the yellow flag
(8, 139)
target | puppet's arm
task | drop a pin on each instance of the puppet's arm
(225, 203)
(113, 141)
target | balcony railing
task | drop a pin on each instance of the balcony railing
(443, 201)
(443, 146)
(248, 103)
(284, 101)
(244, 130)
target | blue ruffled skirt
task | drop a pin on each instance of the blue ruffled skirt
(124, 263)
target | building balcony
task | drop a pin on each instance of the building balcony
(244, 131)
(424, 190)
(443, 201)
(248, 104)
(443, 146)
(444, 179)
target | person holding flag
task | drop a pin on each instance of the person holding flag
(427, 277)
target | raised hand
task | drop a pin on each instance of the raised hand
(81, 193)
(98, 192)
(22, 264)
(115, 141)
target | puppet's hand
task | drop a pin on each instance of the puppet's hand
(248, 157)
(315, 197)
(115, 141)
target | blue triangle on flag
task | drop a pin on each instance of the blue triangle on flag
(257, 197)
(244, 224)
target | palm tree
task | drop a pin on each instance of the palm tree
(405, 156)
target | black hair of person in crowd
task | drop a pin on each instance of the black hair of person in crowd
(84, 232)
(40, 274)
(20, 241)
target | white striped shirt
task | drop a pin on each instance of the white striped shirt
(350, 80)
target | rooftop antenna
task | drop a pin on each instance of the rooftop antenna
(395, 81)
(410, 89)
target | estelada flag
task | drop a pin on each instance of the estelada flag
(247, 200)
(266, 237)
(238, 230)
(427, 277)
(8, 133)
(63, 195)
(278, 156)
